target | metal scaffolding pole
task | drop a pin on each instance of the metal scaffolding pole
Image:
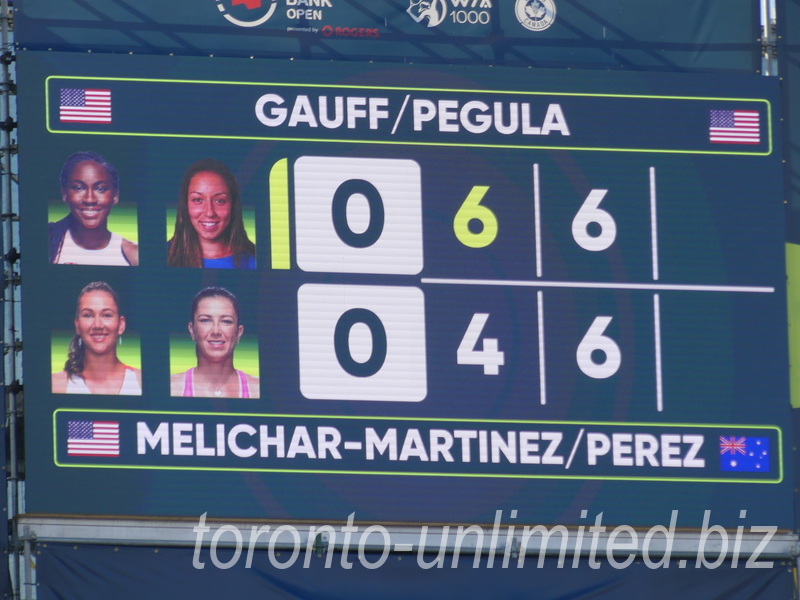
(769, 38)
(11, 341)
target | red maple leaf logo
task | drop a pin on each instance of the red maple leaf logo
(250, 4)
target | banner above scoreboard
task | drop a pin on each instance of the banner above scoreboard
(704, 35)
(293, 291)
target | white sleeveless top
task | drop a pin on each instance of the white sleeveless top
(130, 385)
(110, 256)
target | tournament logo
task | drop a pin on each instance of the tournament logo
(536, 15)
(257, 12)
(433, 10)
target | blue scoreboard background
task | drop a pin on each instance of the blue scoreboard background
(474, 290)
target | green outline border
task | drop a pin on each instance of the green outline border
(413, 89)
(421, 419)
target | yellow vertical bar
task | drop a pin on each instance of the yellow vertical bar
(279, 215)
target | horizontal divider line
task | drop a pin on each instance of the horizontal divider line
(608, 286)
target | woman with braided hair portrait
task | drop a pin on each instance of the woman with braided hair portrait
(92, 365)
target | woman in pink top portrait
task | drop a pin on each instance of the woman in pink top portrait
(216, 328)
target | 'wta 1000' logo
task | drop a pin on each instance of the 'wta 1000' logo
(257, 12)
(433, 10)
(536, 15)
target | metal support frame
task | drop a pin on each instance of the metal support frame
(12, 345)
(769, 39)
(500, 545)
(783, 545)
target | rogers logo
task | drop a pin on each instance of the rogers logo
(353, 32)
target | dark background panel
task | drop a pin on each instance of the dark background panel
(720, 222)
(701, 36)
(789, 72)
(788, 51)
(67, 572)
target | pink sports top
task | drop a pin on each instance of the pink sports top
(188, 384)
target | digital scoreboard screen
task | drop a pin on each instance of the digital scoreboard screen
(292, 290)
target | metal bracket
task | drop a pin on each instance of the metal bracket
(13, 279)
(27, 536)
(320, 544)
(515, 547)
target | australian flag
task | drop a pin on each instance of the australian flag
(744, 454)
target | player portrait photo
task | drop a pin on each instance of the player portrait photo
(209, 228)
(81, 230)
(202, 362)
(92, 359)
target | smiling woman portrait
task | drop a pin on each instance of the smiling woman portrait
(92, 365)
(209, 229)
(215, 327)
(90, 189)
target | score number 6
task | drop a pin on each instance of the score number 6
(588, 213)
(472, 210)
(594, 340)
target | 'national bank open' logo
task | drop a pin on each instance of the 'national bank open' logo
(258, 11)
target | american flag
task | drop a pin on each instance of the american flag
(734, 127)
(92, 438)
(85, 106)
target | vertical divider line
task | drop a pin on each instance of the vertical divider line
(540, 311)
(653, 228)
(657, 335)
(537, 219)
(280, 242)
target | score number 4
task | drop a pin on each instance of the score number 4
(490, 356)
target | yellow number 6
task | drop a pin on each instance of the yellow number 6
(472, 209)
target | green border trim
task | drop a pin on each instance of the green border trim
(793, 306)
(421, 419)
(412, 89)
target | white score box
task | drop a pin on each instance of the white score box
(362, 342)
(358, 215)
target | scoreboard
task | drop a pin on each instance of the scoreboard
(472, 290)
